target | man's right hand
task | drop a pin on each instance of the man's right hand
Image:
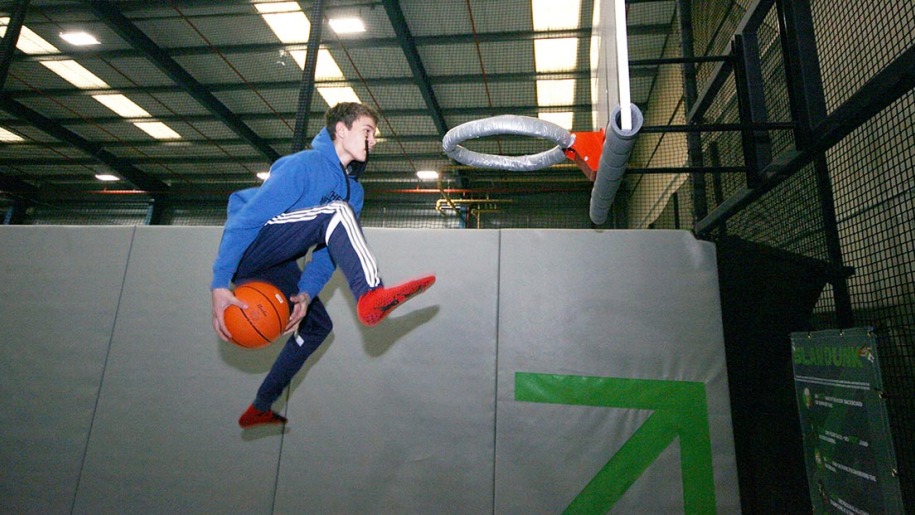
(223, 298)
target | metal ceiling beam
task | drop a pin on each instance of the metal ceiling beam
(112, 17)
(191, 160)
(10, 183)
(527, 110)
(351, 44)
(420, 77)
(8, 44)
(291, 85)
(127, 171)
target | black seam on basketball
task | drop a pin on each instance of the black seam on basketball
(253, 326)
(273, 307)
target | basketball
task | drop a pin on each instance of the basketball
(263, 321)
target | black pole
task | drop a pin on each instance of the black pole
(751, 100)
(690, 94)
(808, 107)
(717, 186)
(307, 87)
(8, 44)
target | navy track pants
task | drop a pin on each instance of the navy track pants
(273, 256)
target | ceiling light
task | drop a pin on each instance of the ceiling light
(555, 92)
(325, 69)
(157, 130)
(555, 55)
(563, 119)
(122, 105)
(263, 175)
(553, 15)
(79, 38)
(347, 25)
(277, 7)
(107, 177)
(75, 74)
(29, 42)
(427, 175)
(9, 137)
(334, 96)
(287, 21)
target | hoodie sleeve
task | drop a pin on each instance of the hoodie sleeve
(249, 210)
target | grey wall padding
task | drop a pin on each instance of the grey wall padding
(613, 160)
(118, 398)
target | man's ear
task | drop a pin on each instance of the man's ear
(338, 129)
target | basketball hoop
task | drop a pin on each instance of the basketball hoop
(508, 124)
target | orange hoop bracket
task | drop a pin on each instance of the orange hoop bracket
(586, 151)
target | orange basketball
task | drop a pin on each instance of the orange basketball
(263, 321)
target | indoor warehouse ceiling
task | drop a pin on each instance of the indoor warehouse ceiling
(195, 98)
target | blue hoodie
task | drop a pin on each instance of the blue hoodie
(309, 178)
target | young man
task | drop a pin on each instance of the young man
(312, 199)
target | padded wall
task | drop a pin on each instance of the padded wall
(59, 296)
(118, 397)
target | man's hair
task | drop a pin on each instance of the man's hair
(347, 112)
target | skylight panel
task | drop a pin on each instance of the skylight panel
(9, 136)
(157, 130)
(122, 106)
(555, 15)
(286, 20)
(555, 92)
(29, 42)
(555, 55)
(563, 119)
(75, 74)
(326, 68)
(334, 96)
(347, 25)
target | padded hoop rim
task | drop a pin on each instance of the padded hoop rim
(508, 124)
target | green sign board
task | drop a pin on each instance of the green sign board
(847, 443)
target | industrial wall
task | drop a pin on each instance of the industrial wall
(545, 369)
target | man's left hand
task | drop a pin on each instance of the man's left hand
(300, 304)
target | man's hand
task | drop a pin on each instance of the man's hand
(223, 298)
(300, 304)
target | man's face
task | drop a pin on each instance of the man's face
(352, 140)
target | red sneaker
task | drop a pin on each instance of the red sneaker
(378, 303)
(254, 417)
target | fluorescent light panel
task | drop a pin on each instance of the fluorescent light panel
(347, 25)
(29, 42)
(334, 96)
(157, 130)
(122, 106)
(555, 55)
(75, 74)
(427, 175)
(326, 68)
(555, 92)
(107, 177)
(286, 20)
(79, 38)
(563, 119)
(9, 137)
(555, 15)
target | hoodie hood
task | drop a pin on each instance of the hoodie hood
(325, 146)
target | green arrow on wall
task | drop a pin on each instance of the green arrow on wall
(680, 410)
